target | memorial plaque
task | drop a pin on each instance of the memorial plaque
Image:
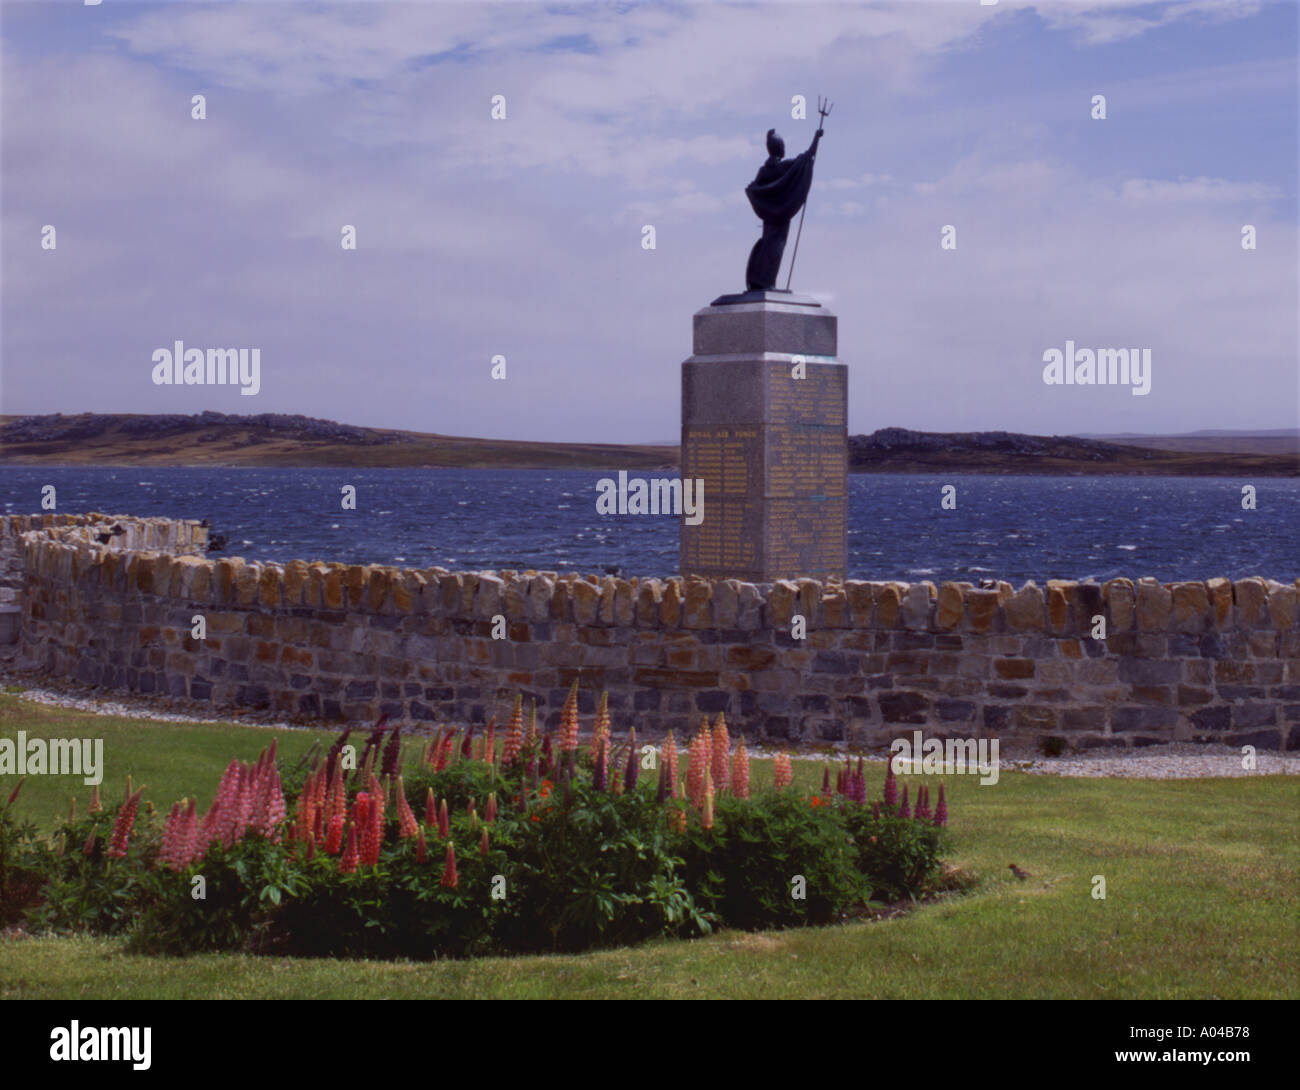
(764, 426)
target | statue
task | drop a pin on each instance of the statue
(777, 192)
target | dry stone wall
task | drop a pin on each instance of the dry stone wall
(1211, 661)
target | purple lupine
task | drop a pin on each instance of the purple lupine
(826, 778)
(839, 782)
(392, 754)
(600, 777)
(633, 768)
(922, 804)
(546, 753)
(941, 811)
(903, 810)
(891, 784)
(859, 789)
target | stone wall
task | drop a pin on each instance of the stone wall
(1211, 661)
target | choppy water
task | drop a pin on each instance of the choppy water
(1006, 527)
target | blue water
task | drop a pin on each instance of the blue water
(1005, 527)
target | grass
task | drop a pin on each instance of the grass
(1200, 901)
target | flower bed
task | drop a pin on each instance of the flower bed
(509, 841)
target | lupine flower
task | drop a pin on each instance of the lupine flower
(697, 765)
(720, 752)
(430, 807)
(740, 771)
(616, 781)
(514, 734)
(547, 762)
(168, 853)
(530, 739)
(449, 877)
(393, 753)
(121, 836)
(444, 822)
(96, 807)
(14, 793)
(839, 783)
(875, 811)
(891, 783)
(89, 847)
(372, 837)
(338, 798)
(706, 818)
(334, 835)
(941, 811)
(633, 769)
(922, 804)
(858, 790)
(600, 775)
(600, 726)
(467, 746)
(782, 771)
(483, 842)
(904, 810)
(406, 823)
(670, 762)
(348, 864)
(569, 720)
(826, 777)
(490, 810)
(421, 851)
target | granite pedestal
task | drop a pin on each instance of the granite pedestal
(770, 447)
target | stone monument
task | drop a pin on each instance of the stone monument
(764, 413)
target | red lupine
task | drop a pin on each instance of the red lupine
(430, 807)
(421, 851)
(941, 811)
(348, 864)
(406, 823)
(444, 822)
(122, 827)
(467, 746)
(334, 835)
(449, 877)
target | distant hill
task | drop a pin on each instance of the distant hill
(1272, 441)
(278, 439)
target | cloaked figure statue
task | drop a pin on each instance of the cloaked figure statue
(776, 194)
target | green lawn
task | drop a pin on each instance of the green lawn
(1201, 901)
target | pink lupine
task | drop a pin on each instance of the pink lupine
(490, 742)
(430, 807)
(720, 747)
(670, 762)
(530, 738)
(697, 765)
(271, 813)
(421, 850)
(450, 879)
(941, 811)
(569, 721)
(348, 864)
(122, 827)
(407, 826)
(444, 821)
(168, 852)
(483, 845)
(514, 734)
(740, 771)
(490, 810)
(782, 771)
(372, 837)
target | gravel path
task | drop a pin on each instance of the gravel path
(1176, 760)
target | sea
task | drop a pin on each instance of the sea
(1002, 527)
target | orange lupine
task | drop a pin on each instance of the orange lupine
(514, 734)
(721, 746)
(569, 721)
(706, 818)
(740, 771)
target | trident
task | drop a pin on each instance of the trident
(824, 107)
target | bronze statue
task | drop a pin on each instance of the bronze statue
(777, 192)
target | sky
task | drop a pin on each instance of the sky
(523, 236)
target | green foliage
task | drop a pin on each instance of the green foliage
(577, 868)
